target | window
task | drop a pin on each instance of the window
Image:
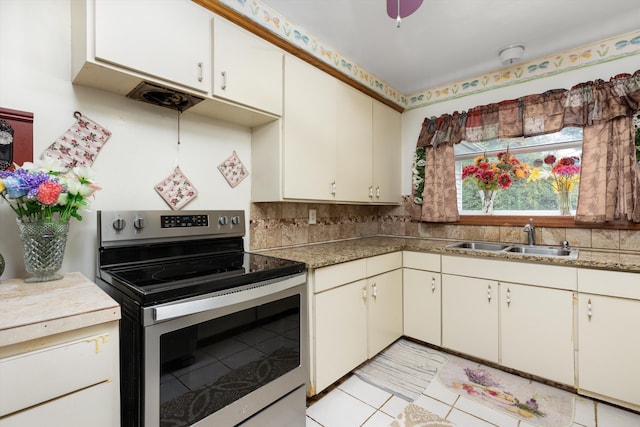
(534, 195)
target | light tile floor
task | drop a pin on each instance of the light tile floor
(355, 403)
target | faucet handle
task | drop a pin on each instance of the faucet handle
(565, 245)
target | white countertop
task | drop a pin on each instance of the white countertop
(34, 310)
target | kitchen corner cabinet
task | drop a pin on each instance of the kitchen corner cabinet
(356, 312)
(171, 41)
(519, 315)
(608, 336)
(422, 296)
(333, 144)
(246, 69)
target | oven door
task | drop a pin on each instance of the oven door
(218, 360)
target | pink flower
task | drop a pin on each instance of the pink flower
(48, 193)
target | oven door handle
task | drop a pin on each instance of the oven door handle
(180, 309)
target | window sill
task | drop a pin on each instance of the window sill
(541, 221)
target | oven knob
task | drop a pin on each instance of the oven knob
(119, 224)
(235, 220)
(138, 223)
(222, 220)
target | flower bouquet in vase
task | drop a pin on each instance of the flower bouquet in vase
(489, 177)
(44, 196)
(564, 175)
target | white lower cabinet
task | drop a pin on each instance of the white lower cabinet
(356, 312)
(609, 338)
(70, 379)
(528, 326)
(422, 293)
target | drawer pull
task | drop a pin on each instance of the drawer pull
(589, 309)
(433, 284)
(378, 192)
(371, 192)
(375, 291)
(508, 297)
(364, 293)
(489, 292)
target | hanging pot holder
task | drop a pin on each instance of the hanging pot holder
(176, 190)
(233, 170)
(80, 144)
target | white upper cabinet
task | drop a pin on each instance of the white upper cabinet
(171, 41)
(387, 131)
(246, 69)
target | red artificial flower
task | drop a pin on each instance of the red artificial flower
(504, 180)
(550, 159)
(484, 165)
(48, 193)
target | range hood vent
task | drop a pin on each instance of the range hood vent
(164, 97)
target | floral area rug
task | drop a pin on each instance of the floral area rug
(416, 416)
(536, 403)
(404, 369)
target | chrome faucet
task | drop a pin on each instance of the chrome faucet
(531, 233)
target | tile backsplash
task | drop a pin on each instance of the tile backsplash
(282, 224)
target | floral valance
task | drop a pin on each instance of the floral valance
(591, 104)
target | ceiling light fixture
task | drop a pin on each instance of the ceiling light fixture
(397, 9)
(511, 54)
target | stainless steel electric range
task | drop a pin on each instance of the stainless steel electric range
(210, 335)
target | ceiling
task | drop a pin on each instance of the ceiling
(450, 40)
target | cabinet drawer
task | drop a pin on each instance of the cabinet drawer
(612, 283)
(421, 261)
(548, 276)
(339, 274)
(383, 263)
(31, 378)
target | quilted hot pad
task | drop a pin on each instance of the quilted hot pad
(176, 190)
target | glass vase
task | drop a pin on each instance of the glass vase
(564, 202)
(487, 196)
(43, 244)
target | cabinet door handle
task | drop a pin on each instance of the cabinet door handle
(333, 188)
(489, 292)
(433, 284)
(371, 192)
(378, 192)
(200, 72)
(508, 297)
(375, 291)
(364, 293)
(589, 309)
(223, 86)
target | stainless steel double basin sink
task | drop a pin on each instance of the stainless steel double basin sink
(548, 251)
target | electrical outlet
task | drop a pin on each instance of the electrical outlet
(312, 216)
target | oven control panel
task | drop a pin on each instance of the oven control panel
(119, 227)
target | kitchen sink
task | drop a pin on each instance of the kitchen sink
(479, 246)
(543, 251)
(549, 251)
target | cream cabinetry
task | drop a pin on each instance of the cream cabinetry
(333, 144)
(609, 341)
(356, 312)
(136, 35)
(519, 315)
(246, 69)
(422, 296)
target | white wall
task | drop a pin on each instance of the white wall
(412, 120)
(35, 76)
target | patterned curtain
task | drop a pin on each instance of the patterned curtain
(609, 188)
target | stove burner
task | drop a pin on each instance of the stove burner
(192, 269)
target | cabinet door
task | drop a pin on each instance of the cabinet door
(385, 310)
(537, 333)
(386, 154)
(354, 137)
(309, 132)
(470, 316)
(246, 69)
(421, 308)
(340, 332)
(171, 41)
(609, 347)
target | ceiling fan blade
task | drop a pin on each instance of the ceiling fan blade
(407, 7)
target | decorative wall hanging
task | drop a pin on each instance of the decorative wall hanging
(22, 124)
(176, 189)
(233, 170)
(80, 144)
(6, 145)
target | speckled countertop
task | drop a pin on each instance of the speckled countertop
(324, 254)
(35, 310)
